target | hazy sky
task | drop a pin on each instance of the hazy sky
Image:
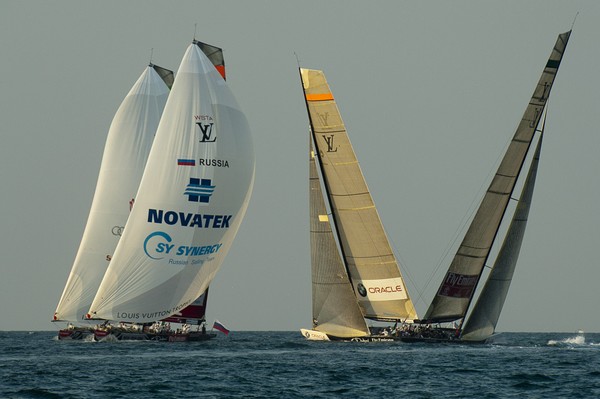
(430, 91)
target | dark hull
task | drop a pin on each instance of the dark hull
(191, 337)
(439, 340)
(75, 334)
(407, 339)
(194, 336)
(370, 338)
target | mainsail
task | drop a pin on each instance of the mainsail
(335, 309)
(190, 203)
(482, 321)
(366, 255)
(127, 147)
(195, 312)
(458, 286)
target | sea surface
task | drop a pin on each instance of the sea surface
(285, 365)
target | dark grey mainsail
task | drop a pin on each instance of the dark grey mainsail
(482, 321)
(455, 293)
(366, 254)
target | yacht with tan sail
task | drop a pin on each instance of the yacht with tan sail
(355, 275)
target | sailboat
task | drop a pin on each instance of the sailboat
(127, 146)
(191, 200)
(355, 275)
(457, 289)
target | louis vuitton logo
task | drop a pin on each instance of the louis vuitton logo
(330, 145)
(323, 118)
(206, 130)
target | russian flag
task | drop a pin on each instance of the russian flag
(218, 326)
(186, 162)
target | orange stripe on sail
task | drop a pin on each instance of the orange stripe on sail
(319, 97)
(221, 69)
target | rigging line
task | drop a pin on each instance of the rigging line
(574, 19)
(468, 216)
(403, 263)
(297, 59)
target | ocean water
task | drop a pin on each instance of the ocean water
(285, 365)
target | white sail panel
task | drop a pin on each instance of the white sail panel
(335, 309)
(381, 290)
(191, 201)
(486, 312)
(127, 146)
(458, 286)
(365, 247)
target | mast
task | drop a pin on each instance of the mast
(456, 291)
(371, 265)
(317, 154)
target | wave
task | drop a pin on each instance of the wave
(578, 339)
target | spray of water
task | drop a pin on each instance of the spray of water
(578, 339)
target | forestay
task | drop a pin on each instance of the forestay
(191, 201)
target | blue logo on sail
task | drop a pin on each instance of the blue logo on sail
(199, 190)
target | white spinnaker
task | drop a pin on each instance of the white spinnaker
(125, 154)
(203, 140)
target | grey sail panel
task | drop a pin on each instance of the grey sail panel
(368, 257)
(486, 312)
(214, 54)
(335, 310)
(458, 285)
(165, 74)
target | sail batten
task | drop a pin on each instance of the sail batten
(456, 291)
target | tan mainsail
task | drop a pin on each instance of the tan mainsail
(366, 253)
(335, 310)
(458, 286)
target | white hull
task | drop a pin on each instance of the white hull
(313, 335)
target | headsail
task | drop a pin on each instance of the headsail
(367, 255)
(127, 146)
(191, 201)
(458, 286)
(482, 321)
(197, 309)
